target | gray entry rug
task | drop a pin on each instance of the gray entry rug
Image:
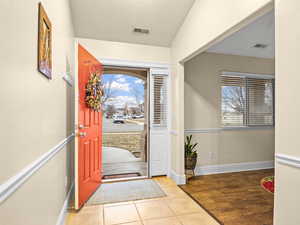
(126, 191)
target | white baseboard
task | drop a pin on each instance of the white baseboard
(63, 212)
(179, 179)
(235, 167)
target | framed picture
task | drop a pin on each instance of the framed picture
(44, 43)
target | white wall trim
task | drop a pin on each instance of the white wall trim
(63, 212)
(128, 63)
(179, 179)
(217, 130)
(15, 182)
(248, 128)
(288, 160)
(203, 131)
(249, 75)
(235, 167)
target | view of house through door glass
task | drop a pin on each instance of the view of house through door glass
(125, 123)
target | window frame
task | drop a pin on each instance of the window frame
(244, 76)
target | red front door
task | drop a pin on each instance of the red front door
(89, 133)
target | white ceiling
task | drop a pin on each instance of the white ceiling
(114, 20)
(261, 31)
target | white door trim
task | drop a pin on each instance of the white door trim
(160, 68)
(161, 130)
(128, 63)
(76, 116)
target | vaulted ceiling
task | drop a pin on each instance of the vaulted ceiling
(261, 31)
(114, 20)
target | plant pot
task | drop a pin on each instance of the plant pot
(190, 162)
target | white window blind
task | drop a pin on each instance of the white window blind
(160, 100)
(247, 101)
(260, 101)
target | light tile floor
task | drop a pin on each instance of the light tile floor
(177, 208)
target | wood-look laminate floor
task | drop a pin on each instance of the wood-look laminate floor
(234, 198)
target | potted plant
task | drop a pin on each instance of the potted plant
(190, 153)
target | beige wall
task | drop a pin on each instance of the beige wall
(202, 97)
(287, 33)
(125, 51)
(201, 29)
(36, 113)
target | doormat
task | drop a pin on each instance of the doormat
(126, 191)
(122, 175)
(267, 183)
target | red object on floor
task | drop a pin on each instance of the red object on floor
(268, 184)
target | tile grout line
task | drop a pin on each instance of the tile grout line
(163, 188)
(138, 213)
(103, 222)
(176, 215)
(166, 203)
(183, 214)
(156, 217)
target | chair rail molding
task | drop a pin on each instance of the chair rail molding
(218, 130)
(15, 182)
(202, 130)
(288, 160)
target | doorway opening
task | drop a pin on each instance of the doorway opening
(125, 123)
(229, 97)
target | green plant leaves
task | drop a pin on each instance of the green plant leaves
(189, 147)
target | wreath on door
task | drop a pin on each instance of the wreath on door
(94, 92)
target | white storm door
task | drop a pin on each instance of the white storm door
(159, 122)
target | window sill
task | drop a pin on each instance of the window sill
(248, 128)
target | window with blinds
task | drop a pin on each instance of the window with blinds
(247, 101)
(160, 101)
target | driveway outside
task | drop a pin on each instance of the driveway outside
(128, 126)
